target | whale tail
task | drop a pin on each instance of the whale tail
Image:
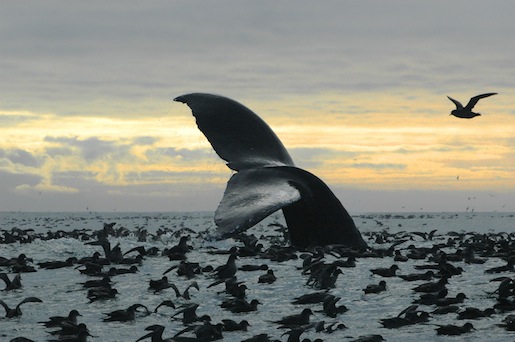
(267, 179)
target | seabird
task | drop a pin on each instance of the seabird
(268, 278)
(297, 320)
(466, 112)
(10, 313)
(11, 284)
(385, 272)
(125, 314)
(375, 288)
(56, 321)
(454, 330)
(230, 325)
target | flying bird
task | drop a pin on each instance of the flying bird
(466, 112)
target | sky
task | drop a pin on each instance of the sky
(356, 90)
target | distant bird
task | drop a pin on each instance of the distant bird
(385, 272)
(330, 308)
(474, 313)
(124, 315)
(237, 305)
(408, 316)
(227, 270)
(297, 320)
(376, 288)
(10, 313)
(11, 284)
(311, 298)
(230, 325)
(267, 278)
(156, 334)
(189, 314)
(167, 302)
(56, 321)
(466, 112)
(454, 330)
(451, 300)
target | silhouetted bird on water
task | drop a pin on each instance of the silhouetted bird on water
(189, 314)
(454, 330)
(11, 284)
(466, 112)
(230, 325)
(375, 288)
(385, 272)
(124, 315)
(166, 302)
(267, 278)
(156, 334)
(297, 320)
(408, 316)
(227, 270)
(10, 313)
(474, 313)
(237, 305)
(56, 321)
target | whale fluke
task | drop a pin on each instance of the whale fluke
(238, 136)
(267, 179)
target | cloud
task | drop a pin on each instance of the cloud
(378, 166)
(312, 158)
(28, 189)
(180, 154)
(19, 156)
(14, 119)
(145, 140)
(57, 54)
(92, 148)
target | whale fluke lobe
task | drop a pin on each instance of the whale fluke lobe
(267, 179)
(252, 195)
(238, 136)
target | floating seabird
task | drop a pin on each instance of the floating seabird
(56, 321)
(296, 320)
(10, 313)
(267, 278)
(125, 314)
(11, 284)
(267, 179)
(454, 330)
(466, 112)
(230, 325)
(375, 288)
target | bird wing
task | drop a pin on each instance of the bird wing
(176, 289)
(139, 249)
(30, 300)
(408, 309)
(456, 102)
(237, 134)
(6, 307)
(6, 279)
(474, 100)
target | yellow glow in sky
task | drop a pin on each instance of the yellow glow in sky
(388, 143)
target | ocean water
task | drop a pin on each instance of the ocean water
(61, 289)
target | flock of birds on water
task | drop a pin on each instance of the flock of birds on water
(436, 267)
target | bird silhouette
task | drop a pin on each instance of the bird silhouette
(466, 112)
(10, 313)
